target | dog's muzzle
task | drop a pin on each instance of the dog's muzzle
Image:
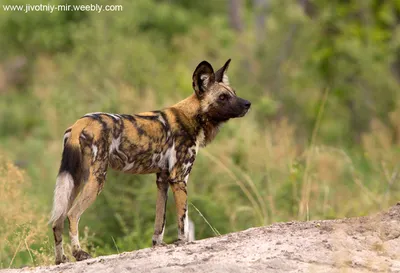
(246, 106)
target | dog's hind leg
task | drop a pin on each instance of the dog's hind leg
(58, 227)
(67, 186)
(94, 178)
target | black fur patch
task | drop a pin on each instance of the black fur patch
(71, 162)
(186, 131)
(183, 217)
(153, 118)
(132, 119)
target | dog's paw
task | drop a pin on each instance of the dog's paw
(81, 255)
(156, 244)
(180, 242)
(64, 259)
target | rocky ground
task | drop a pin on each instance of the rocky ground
(365, 244)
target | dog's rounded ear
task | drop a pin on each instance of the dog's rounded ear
(203, 77)
(220, 75)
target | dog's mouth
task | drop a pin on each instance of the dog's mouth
(244, 113)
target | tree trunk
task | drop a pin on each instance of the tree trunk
(260, 7)
(235, 15)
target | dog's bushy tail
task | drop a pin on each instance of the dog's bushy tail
(67, 179)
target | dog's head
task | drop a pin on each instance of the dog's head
(217, 98)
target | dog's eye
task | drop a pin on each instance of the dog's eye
(222, 97)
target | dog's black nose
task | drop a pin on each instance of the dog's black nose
(247, 104)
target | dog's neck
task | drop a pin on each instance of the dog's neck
(209, 127)
(197, 120)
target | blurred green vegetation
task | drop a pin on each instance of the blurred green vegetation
(322, 140)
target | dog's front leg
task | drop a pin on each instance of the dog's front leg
(161, 203)
(179, 188)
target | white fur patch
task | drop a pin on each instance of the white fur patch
(200, 140)
(94, 150)
(186, 227)
(62, 195)
(192, 150)
(66, 136)
(171, 155)
(225, 79)
(115, 142)
(205, 79)
(59, 250)
(191, 231)
(185, 235)
(128, 166)
(91, 114)
(75, 241)
(162, 120)
(186, 167)
(114, 116)
(159, 238)
(75, 238)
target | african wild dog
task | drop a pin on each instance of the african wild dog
(163, 142)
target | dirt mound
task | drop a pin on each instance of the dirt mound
(364, 244)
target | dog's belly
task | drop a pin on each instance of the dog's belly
(143, 147)
(139, 162)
